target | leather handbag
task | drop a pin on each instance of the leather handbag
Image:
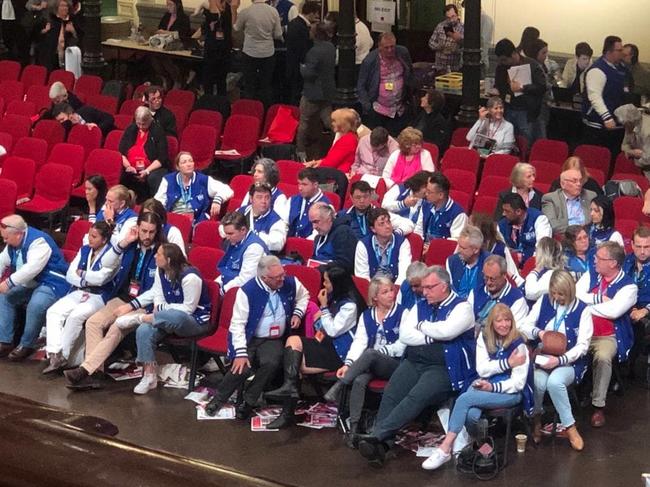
(554, 343)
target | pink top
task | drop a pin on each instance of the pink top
(404, 169)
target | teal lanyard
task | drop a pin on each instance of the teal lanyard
(138, 268)
(274, 306)
(379, 254)
(186, 194)
(558, 321)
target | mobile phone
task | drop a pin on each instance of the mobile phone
(448, 29)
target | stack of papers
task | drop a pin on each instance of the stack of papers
(263, 417)
(420, 442)
(319, 416)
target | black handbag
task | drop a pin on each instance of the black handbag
(480, 459)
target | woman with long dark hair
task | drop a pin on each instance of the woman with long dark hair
(96, 189)
(341, 305)
(601, 229)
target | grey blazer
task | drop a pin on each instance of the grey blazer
(554, 207)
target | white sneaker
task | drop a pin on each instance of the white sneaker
(148, 383)
(437, 458)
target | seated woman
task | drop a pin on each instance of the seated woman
(494, 244)
(548, 257)
(588, 182)
(409, 159)
(96, 189)
(522, 178)
(601, 228)
(118, 211)
(340, 308)
(192, 193)
(172, 233)
(576, 249)
(634, 145)
(265, 170)
(492, 133)
(181, 306)
(430, 120)
(375, 351)
(59, 30)
(502, 363)
(174, 20)
(559, 311)
(91, 276)
(144, 154)
(341, 154)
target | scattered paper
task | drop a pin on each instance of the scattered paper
(520, 74)
(201, 395)
(122, 370)
(259, 423)
(417, 441)
(425, 451)
(226, 412)
(231, 152)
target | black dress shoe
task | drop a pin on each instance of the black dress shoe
(20, 353)
(373, 450)
(5, 349)
(213, 407)
(87, 383)
(244, 411)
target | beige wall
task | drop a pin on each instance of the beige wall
(563, 23)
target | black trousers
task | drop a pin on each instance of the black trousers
(265, 357)
(612, 139)
(641, 329)
(258, 76)
(147, 188)
(214, 72)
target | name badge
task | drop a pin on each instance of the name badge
(274, 331)
(508, 98)
(389, 86)
(84, 297)
(134, 289)
(319, 336)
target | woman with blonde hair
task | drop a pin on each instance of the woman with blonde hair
(375, 351)
(522, 178)
(588, 182)
(341, 154)
(504, 381)
(548, 257)
(409, 159)
(118, 211)
(559, 311)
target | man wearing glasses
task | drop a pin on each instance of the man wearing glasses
(568, 205)
(265, 309)
(37, 280)
(610, 294)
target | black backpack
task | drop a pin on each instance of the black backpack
(481, 459)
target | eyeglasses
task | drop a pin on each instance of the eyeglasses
(597, 257)
(4, 226)
(432, 287)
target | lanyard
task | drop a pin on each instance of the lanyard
(558, 321)
(388, 251)
(469, 275)
(321, 242)
(361, 220)
(274, 306)
(487, 308)
(497, 126)
(186, 194)
(138, 268)
(434, 313)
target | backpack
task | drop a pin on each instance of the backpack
(625, 187)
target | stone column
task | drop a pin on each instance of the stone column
(346, 82)
(471, 63)
(92, 61)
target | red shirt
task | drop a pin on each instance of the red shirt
(602, 326)
(136, 154)
(341, 154)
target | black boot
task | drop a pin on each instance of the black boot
(334, 394)
(213, 406)
(286, 417)
(292, 361)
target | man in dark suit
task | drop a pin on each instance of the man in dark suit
(298, 43)
(162, 116)
(85, 115)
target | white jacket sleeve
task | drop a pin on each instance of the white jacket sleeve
(542, 228)
(71, 276)
(154, 295)
(192, 285)
(536, 286)
(404, 260)
(361, 267)
(426, 161)
(396, 349)
(513, 270)
(277, 236)
(340, 323)
(359, 343)
(248, 271)
(401, 225)
(528, 326)
(238, 324)
(616, 307)
(100, 277)
(457, 226)
(460, 319)
(585, 331)
(219, 192)
(174, 236)
(595, 80)
(409, 334)
(618, 238)
(302, 300)
(519, 309)
(486, 368)
(38, 255)
(5, 261)
(390, 202)
(390, 165)
(161, 194)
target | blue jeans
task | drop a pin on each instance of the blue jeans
(38, 300)
(556, 382)
(469, 406)
(167, 322)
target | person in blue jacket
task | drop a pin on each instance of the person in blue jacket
(36, 280)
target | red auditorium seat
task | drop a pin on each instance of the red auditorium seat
(32, 148)
(200, 141)
(104, 103)
(206, 234)
(53, 187)
(90, 138)
(549, 150)
(546, 172)
(289, 170)
(39, 96)
(206, 117)
(106, 162)
(244, 106)
(439, 250)
(9, 70)
(302, 246)
(594, 157)
(11, 90)
(8, 197)
(20, 107)
(183, 98)
(493, 185)
(461, 180)
(50, 130)
(72, 155)
(33, 75)
(308, 277)
(88, 85)
(74, 238)
(65, 77)
(113, 138)
(240, 185)
(240, 133)
(499, 165)
(459, 137)
(461, 158)
(21, 171)
(16, 125)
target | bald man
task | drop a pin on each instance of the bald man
(568, 205)
(36, 280)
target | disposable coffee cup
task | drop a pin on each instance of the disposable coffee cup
(521, 443)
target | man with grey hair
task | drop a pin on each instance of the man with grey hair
(568, 205)
(59, 94)
(335, 241)
(497, 289)
(610, 294)
(410, 292)
(37, 279)
(466, 266)
(265, 309)
(439, 360)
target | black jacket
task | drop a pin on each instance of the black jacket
(180, 25)
(298, 43)
(531, 99)
(104, 121)
(344, 241)
(47, 45)
(155, 147)
(167, 121)
(435, 129)
(318, 72)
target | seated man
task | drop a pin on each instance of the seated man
(441, 217)
(610, 295)
(497, 289)
(465, 267)
(410, 291)
(36, 279)
(266, 308)
(383, 251)
(357, 215)
(568, 205)
(136, 274)
(637, 267)
(372, 152)
(244, 251)
(296, 211)
(162, 116)
(406, 199)
(439, 360)
(522, 227)
(334, 237)
(85, 115)
(264, 221)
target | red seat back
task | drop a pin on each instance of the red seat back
(485, 204)
(104, 103)
(39, 96)
(200, 141)
(549, 150)
(128, 107)
(493, 185)
(90, 138)
(417, 244)
(183, 223)
(71, 155)
(180, 114)
(460, 158)
(20, 107)
(50, 130)
(363, 285)
(21, 171)
(206, 259)
(206, 234)
(439, 250)
(54, 182)
(289, 170)
(33, 75)
(172, 148)
(9, 70)
(32, 148)
(272, 112)
(546, 172)
(75, 236)
(459, 137)
(16, 125)
(182, 98)
(244, 106)
(594, 157)
(88, 85)
(308, 277)
(65, 77)
(499, 165)
(106, 162)
(206, 117)
(218, 342)
(11, 90)
(113, 138)
(8, 196)
(241, 133)
(240, 185)
(462, 180)
(302, 246)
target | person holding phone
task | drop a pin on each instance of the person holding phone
(446, 41)
(502, 363)
(492, 133)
